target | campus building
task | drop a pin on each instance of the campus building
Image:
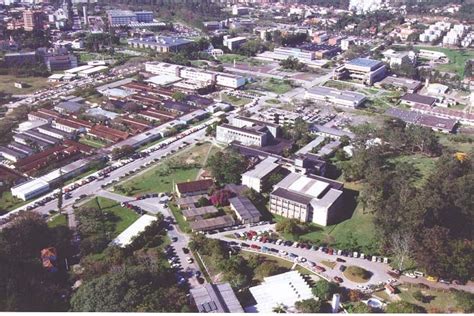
(256, 177)
(161, 44)
(365, 70)
(307, 198)
(247, 131)
(335, 96)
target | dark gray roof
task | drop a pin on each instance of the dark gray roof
(21, 148)
(418, 98)
(404, 115)
(11, 152)
(293, 196)
(244, 207)
(70, 106)
(216, 298)
(365, 62)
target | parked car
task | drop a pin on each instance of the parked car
(338, 279)
(340, 260)
(342, 268)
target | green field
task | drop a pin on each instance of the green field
(438, 301)
(229, 58)
(58, 220)
(423, 164)
(182, 223)
(162, 177)
(340, 85)
(9, 202)
(464, 143)
(92, 142)
(34, 84)
(276, 86)
(124, 217)
(457, 59)
(235, 101)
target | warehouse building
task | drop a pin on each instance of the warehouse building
(193, 213)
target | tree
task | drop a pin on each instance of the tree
(359, 308)
(122, 151)
(227, 166)
(308, 306)
(465, 300)
(355, 295)
(400, 245)
(292, 63)
(279, 309)
(403, 307)
(178, 96)
(289, 226)
(324, 289)
(203, 202)
(221, 197)
(267, 269)
(134, 289)
(25, 285)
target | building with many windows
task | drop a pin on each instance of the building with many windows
(365, 70)
(307, 198)
(247, 131)
(161, 44)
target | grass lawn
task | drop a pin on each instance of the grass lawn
(437, 301)
(124, 216)
(58, 220)
(182, 223)
(34, 84)
(462, 145)
(235, 101)
(357, 274)
(355, 232)
(276, 86)
(285, 265)
(273, 101)
(457, 59)
(92, 142)
(340, 85)
(9, 202)
(162, 177)
(423, 164)
(328, 263)
(229, 58)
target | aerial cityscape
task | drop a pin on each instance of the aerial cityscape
(237, 156)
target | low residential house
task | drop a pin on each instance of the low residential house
(191, 188)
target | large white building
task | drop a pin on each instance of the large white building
(365, 70)
(307, 198)
(195, 74)
(286, 289)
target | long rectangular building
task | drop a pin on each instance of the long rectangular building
(335, 96)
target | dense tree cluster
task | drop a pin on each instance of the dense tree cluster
(433, 218)
(292, 63)
(24, 284)
(227, 166)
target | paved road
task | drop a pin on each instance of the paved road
(378, 269)
(153, 206)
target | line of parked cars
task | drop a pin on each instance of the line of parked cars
(267, 236)
(137, 209)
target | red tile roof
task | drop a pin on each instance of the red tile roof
(194, 186)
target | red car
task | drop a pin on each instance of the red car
(330, 251)
(338, 279)
(319, 269)
(255, 246)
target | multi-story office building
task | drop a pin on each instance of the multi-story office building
(247, 131)
(234, 42)
(307, 198)
(121, 17)
(366, 70)
(162, 44)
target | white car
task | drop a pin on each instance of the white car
(410, 275)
